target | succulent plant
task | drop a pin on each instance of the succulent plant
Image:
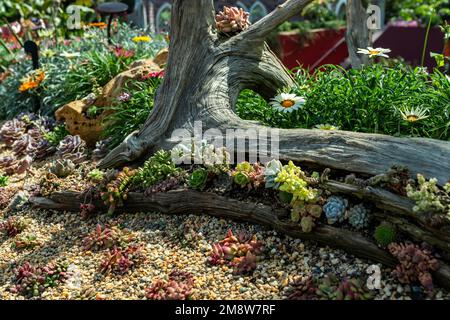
(178, 287)
(306, 214)
(4, 180)
(122, 260)
(56, 135)
(416, 263)
(385, 234)
(335, 209)
(87, 210)
(330, 288)
(26, 241)
(73, 148)
(107, 237)
(155, 170)
(96, 176)
(303, 289)
(198, 178)
(428, 197)
(13, 226)
(293, 180)
(61, 168)
(247, 175)
(116, 190)
(271, 171)
(31, 281)
(234, 251)
(359, 216)
(11, 131)
(395, 179)
(101, 149)
(18, 201)
(167, 185)
(232, 20)
(43, 149)
(24, 145)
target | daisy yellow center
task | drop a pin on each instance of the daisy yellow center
(412, 118)
(374, 52)
(287, 103)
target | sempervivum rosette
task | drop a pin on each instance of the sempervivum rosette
(11, 131)
(73, 148)
(232, 20)
(24, 145)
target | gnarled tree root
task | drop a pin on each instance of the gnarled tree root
(189, 201)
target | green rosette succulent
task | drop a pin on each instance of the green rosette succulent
(197, 180)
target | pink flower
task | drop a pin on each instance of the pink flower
(153, 75)
(121, 52)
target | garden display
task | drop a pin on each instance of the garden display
(122, 173)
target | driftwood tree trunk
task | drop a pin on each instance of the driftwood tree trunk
(357, 35)
(205, 74)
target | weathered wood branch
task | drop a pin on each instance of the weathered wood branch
(189, 201)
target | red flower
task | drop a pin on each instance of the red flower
(153, 75)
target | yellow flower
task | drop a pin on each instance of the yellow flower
(142, 39)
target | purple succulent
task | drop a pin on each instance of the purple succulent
(11, 131)
(73, 148)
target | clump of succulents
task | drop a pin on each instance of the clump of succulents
(49, 184)
(416, 263)
(13, 226)
(121, 260)
(198, 178)
(18, 200)
(292, 180)
(359, 216)
(4, 180)
(428, 197)
(73, 148)
(117, 190)
(155, 170)
(61, 168)
(178, 287)
(11, 165)
(241, 252)
(96, 176)
(330, 288)
(247, 175)
(167, 185)
(11, 131)
(232, 20)
(306, 214)
(335, 208)
(26, 241)
(385, 234)
(107, 237)
(56, 135)
(303, 289)
(395, 179)
(32, 281)
(101, 149)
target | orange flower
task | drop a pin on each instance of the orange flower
(32, 81)
(100, 25)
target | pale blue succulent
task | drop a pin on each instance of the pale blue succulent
(271, 171)
(359, 216)
(335, 209)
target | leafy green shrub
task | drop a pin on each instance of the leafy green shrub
(419, 10)
(368, 100)
(55, 136)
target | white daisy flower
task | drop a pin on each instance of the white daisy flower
(414, 114)
(377, 52)
(287, 102)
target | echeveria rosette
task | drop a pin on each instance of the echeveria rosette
(271, 171)
(335, 209)
(359, 216)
